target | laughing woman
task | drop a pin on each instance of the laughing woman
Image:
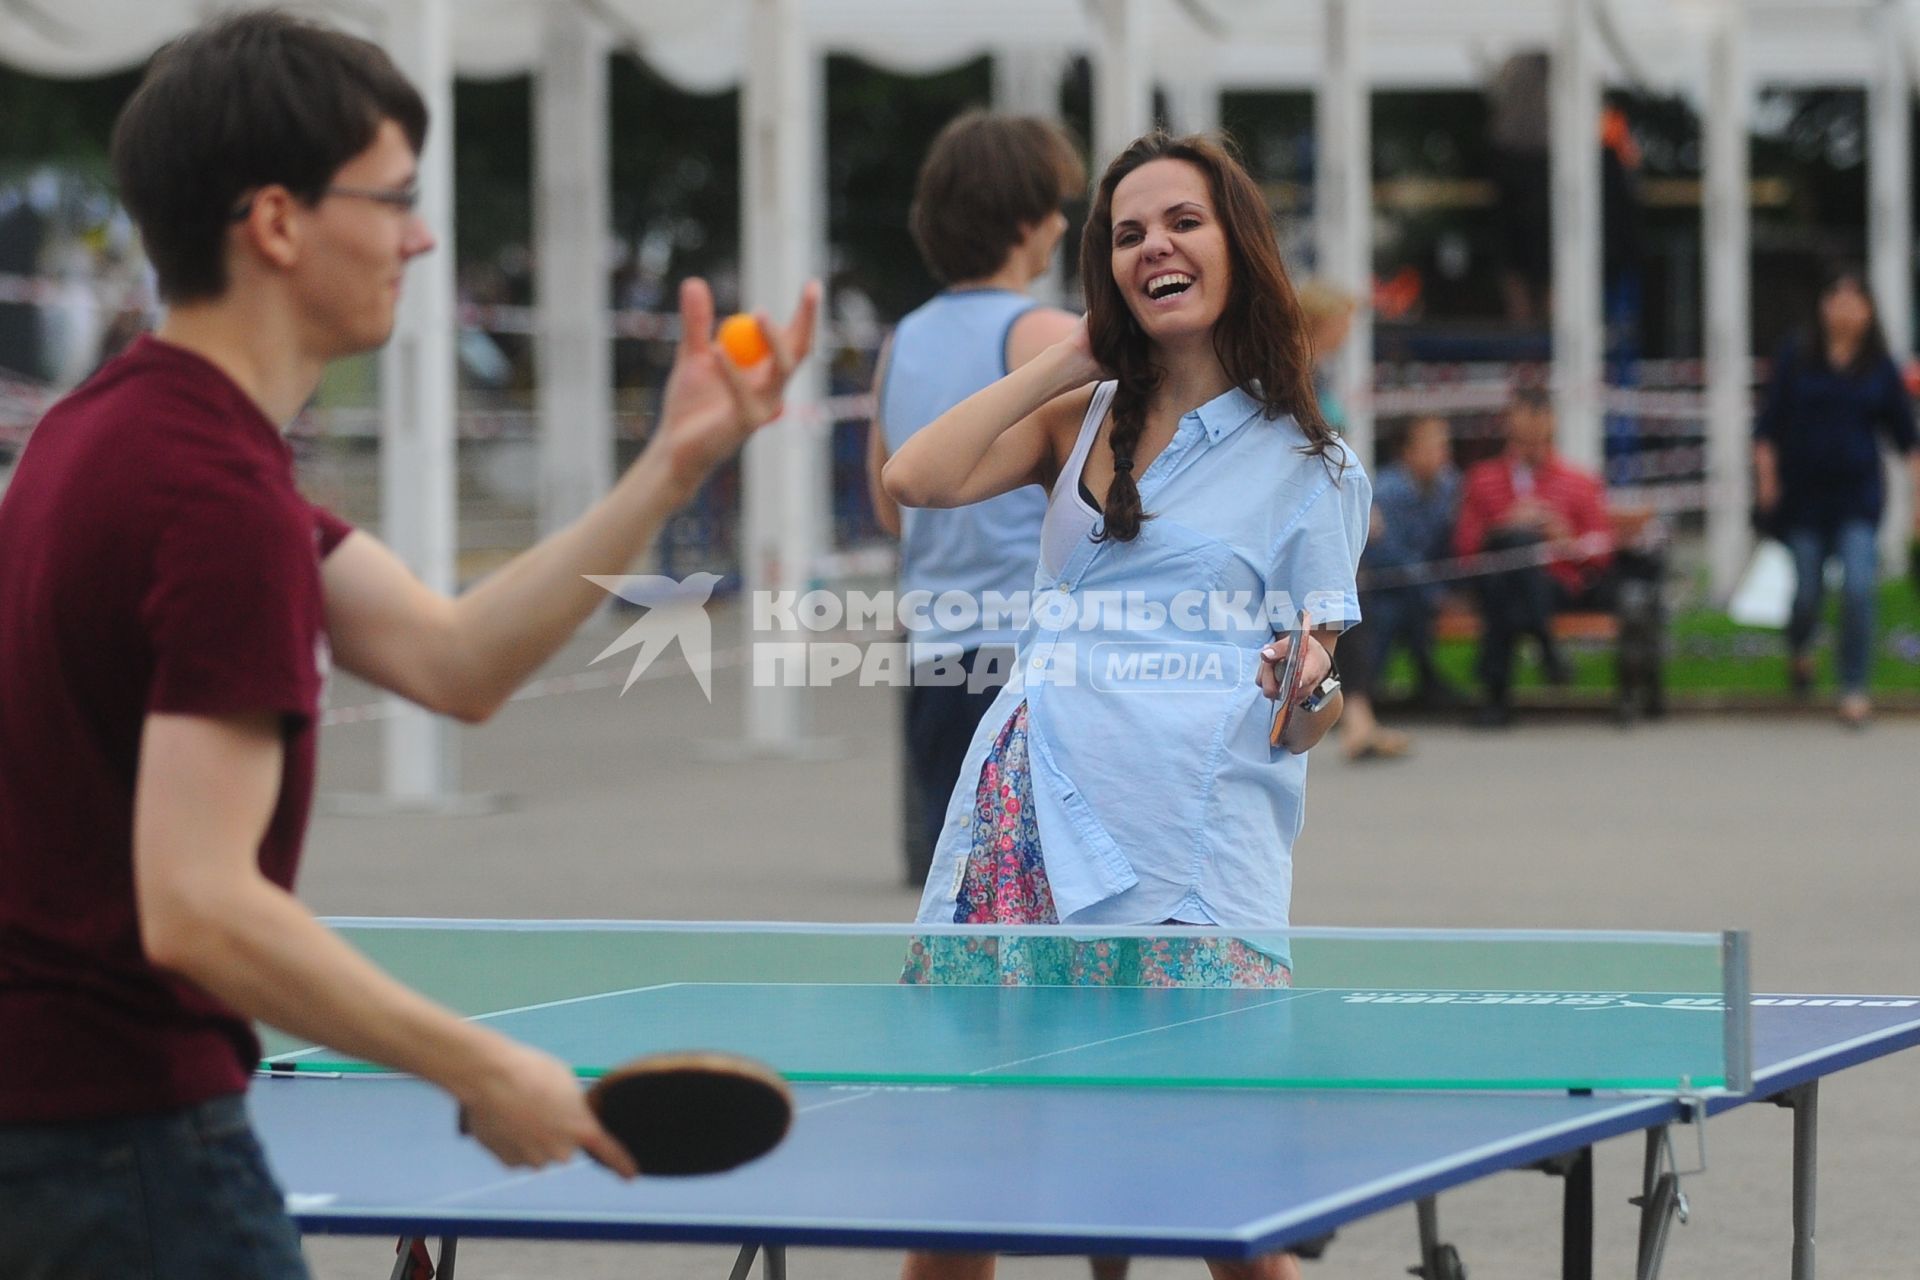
(1198, 504)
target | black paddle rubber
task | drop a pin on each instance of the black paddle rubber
(690, 1113)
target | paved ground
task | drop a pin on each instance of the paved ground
(1794, 829)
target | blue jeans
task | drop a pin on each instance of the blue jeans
(1812, 546)
(174, 1195)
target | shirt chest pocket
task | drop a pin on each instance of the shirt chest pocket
(1168, 563)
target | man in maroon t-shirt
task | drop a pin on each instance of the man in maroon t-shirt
(170, 607)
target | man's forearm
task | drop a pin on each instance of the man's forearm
(255, 948)
(516, 618)
(204, 794)
(487, 642)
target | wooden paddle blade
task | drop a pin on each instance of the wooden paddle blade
(1282, 715)
(1289, 674)
(690, 1113)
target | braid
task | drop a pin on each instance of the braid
(1122, 516)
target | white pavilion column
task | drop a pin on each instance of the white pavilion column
(1343, 205)
(571, 215)
(1122, 78)
(417, 401)
(1026, 82)
(1193, 90)
(1579, 321)
(1890, 230)
(1725, 230)
(783, 148)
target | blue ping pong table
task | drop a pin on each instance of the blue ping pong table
(979, 1132)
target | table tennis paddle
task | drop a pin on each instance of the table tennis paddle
(689, 1113)
(696, 1112)
(1289, 676)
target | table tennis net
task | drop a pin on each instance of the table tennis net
(1172, 1005)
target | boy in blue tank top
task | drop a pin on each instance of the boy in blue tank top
(986, 217)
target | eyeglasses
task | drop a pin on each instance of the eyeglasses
(400, 199)
(403, 200)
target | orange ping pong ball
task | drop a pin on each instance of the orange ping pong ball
(741, 339)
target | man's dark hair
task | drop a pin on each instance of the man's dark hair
(1531, 398)
(256, 100)
(986, 180)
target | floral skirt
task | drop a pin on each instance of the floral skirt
(1005, 882)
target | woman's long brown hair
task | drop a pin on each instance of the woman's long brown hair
(1261, 336)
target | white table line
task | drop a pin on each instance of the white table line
(1288, 997)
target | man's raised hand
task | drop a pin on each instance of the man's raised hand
(711, 406)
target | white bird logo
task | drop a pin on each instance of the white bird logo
(661, 625)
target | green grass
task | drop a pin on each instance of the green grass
(1709, 656)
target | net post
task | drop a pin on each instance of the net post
(1738, 994)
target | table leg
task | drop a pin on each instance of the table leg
(1805, 1102)
(1438, 1261)
(1650, 1163)
(1576, 1218)
(1651, 1224)
(1427, 1220)
(775, 1267)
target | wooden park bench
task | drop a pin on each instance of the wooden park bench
(1636, 627)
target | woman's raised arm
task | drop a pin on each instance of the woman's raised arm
(995, 440)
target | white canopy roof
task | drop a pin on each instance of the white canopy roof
(1244, 43)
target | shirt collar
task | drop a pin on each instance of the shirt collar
(1226, 413)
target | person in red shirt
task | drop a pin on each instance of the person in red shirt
(171, 607)
(1545, 524)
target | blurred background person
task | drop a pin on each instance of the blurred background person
(1834, 392)
(986, 217)
(1529, 497)
(1415, 503)
(1329, 312)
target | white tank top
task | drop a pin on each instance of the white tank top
(1070, 518)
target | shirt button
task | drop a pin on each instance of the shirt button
(1065, 588)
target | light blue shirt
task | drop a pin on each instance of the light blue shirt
(1156, 794)
(942, 353)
